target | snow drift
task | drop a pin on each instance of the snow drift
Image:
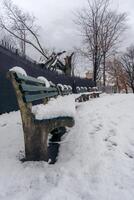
(96, 159)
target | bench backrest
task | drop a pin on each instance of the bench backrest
(81, 89)
(34, 89)
(64, 89)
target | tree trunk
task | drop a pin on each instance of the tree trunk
(126, 90)
(104, 71)
(95, 73)
(68, 65)
(133, 89)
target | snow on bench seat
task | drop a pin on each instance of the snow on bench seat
(59, 107)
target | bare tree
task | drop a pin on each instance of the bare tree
(22, 26)
(101, 29)
(68, 65)
(89, 20)
(7, 39)
(74, 60)
(117, 75)
(112, 28)
(128, 66)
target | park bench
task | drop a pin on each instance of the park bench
(28, 91)
(86, 93)
(64, 89)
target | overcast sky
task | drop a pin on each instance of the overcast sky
(56, 19)
(58, 28)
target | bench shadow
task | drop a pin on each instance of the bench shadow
(54, 144)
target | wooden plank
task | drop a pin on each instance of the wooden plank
(29, 79)
(30, 98)
(33, 88)
(65, 92)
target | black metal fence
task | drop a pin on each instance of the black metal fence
(9, 58)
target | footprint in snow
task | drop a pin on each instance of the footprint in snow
(106, 139)
(93, 133)
(98, 127)
(114, 143)
(131, 143)
(110, 147)
(96, 130)
(110, 143)
(112, 132)
(114, 123)
(129, 155)
(3, 125)
(18, 123)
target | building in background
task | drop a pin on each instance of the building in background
(89, 74)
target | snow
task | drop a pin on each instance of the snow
(54, 63)
(95, 88)
(65, 87)
(61, 106)
(69, 86)
(78, 89)
(44, 80)
(19, 70)
(61, 86)
(59, 71)
(51, 84)
(96, 159)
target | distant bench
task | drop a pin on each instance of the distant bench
(28, 90)
(84, 93)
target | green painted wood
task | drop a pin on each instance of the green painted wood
(30, 98)
(65, 92)
(29, 79)
(33, 88)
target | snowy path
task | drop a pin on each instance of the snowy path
(96, 160)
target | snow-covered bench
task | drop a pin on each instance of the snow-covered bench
(84, 94)
(40, 120)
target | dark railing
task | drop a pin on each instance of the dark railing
(10, 57)
(16, 51)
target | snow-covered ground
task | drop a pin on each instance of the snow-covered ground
(96, 159)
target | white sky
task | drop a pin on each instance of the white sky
(58, 28)
(56, 19)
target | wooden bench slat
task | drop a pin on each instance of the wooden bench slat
(33, 88)
(30, 98)
(29, 79)
(65, 92)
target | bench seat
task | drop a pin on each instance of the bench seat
(56, 107)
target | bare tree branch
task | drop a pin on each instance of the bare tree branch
(21, 25)
(128, 66)
(101, 29)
